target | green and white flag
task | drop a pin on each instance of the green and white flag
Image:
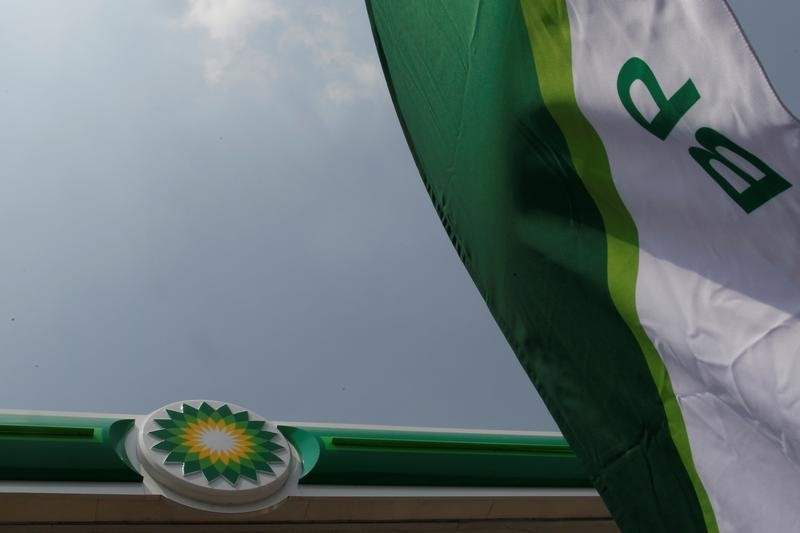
(620, 180)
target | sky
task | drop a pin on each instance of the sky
(213, 199)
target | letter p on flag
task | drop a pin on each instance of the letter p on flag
(671, 110)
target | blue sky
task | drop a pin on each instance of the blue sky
(214, 199)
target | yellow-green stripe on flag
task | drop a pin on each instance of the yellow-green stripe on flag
(617, 179)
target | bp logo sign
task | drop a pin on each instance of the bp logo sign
(214, 452)
(217, 442)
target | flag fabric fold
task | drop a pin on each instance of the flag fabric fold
(618, 181)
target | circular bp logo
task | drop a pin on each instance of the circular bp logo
(215, 452)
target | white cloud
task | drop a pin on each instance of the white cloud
(339, 93)
(231, 20)
(267, 42)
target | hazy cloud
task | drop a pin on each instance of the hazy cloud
(258, 40)
(231, 20)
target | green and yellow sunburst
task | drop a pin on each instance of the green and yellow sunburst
(216, 442)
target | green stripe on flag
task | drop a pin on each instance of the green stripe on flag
(502, 178)
(549, 31)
